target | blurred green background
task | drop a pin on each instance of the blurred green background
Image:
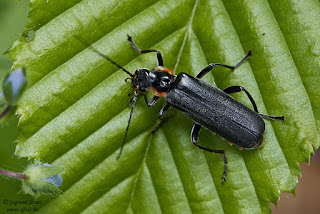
(12, 21)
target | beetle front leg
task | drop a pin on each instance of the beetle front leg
(233, 89)
(194, 138)
(159, 56)
(152, 102)
(212, 65)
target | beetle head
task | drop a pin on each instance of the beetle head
(141, 79)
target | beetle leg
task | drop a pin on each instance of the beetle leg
(163, 110)
(212, 65)
(152, 102)
(194, 138)
(158, 126)
(233, 89)
(159, 56)
(272, 117)
(163, 120)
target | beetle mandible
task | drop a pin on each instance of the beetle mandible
(206, 105)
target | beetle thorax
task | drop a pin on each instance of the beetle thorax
(160, 81)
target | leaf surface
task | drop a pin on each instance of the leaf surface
(75, 112)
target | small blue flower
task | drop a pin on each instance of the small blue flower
(54, 179)
(14, 85)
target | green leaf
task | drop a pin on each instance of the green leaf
(75, 112)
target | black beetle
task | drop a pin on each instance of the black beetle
(206, 105)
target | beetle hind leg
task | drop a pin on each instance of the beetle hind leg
(270, 117)
(194, 138)
(233, 89)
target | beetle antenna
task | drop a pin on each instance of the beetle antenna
(103, 55)
(134, 99)
(110, 60)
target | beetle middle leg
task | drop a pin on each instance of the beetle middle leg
(159, 126)
(159, 56)
(233, 89)
(163, 120)
(163, 111)
(194, 138)
(212, 65)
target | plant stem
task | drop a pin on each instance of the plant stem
(5, 111)
(13, 174)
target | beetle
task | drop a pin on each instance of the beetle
(206, 105)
